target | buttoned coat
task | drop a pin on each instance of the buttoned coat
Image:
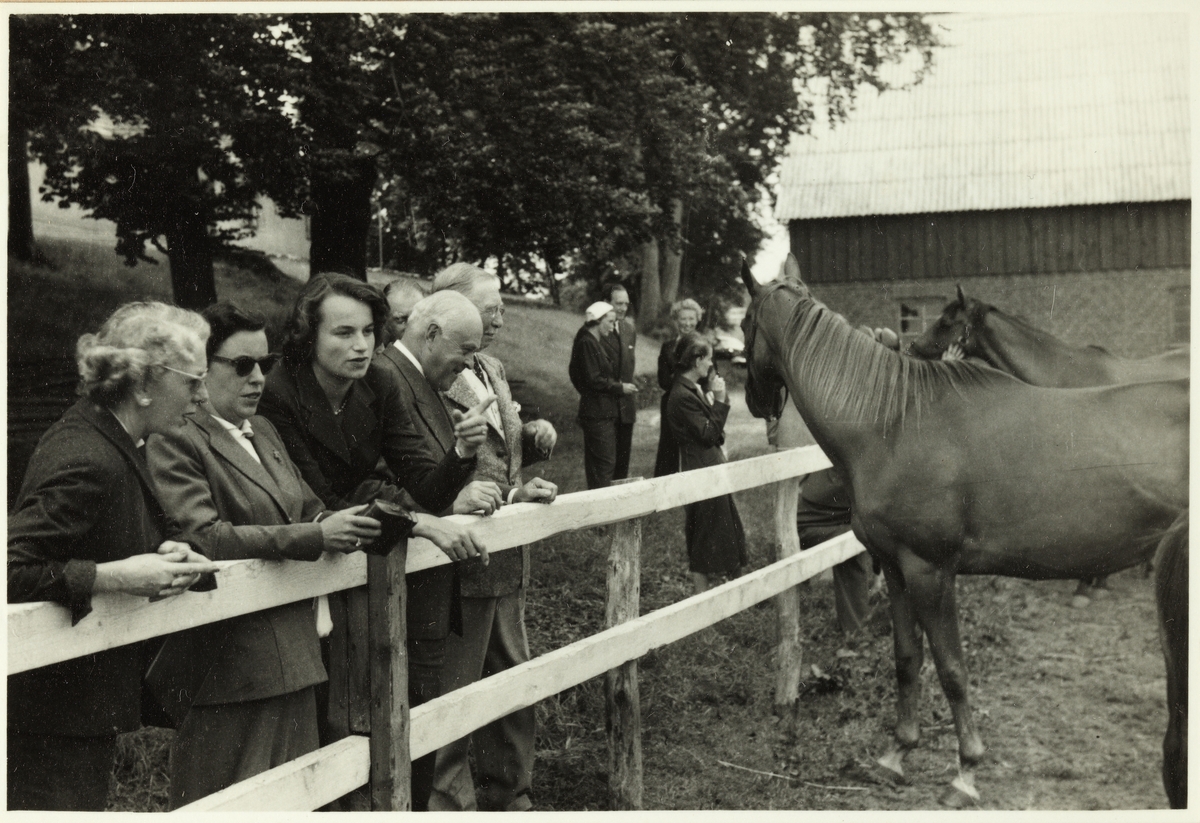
(622, 344)
(500, 459)
(242, 509)
(594, 374)
(86, 499)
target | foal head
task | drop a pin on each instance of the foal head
(960, 322)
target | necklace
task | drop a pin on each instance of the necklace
(342, 407)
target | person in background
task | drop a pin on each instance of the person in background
(248, 685)
(594, 375)
(401, 296)
(622, 347)
(716, 541)
(685, 314)
(493, 596)
(87, 521)
(355, 439)
(443, 334)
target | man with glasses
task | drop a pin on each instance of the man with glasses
(493, 636)
(401, 296)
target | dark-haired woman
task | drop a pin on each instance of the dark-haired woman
(716, 541)
(247, 701)
(87, 521)
(685, 315)
(342, 421)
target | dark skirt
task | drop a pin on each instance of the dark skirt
(666, 459)
(716, 541)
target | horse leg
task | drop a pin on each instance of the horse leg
(909, 645)
(932, 592)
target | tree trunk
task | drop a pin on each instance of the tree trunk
(649, 304)
(20, 201)
(341, 220)
(190, 251)
(672, 257)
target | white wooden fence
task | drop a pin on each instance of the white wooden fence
(40, 633)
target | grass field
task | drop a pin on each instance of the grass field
(1069, 703)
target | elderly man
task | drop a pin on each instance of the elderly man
(622, 345)
(401, 295)
(493, 596)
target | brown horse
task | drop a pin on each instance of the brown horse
(1171, 595)
(1034, 356)
(956, 468)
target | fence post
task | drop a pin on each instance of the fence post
(391, 767)
(623, 720)
(787, 678)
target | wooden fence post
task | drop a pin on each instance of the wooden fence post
(623, 720)
(787, 678)
(391, 767)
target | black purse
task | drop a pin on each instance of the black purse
(397, 525)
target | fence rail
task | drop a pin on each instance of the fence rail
(40, 633)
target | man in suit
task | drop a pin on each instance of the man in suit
(401, 296)
(493, 601)
(622, 344)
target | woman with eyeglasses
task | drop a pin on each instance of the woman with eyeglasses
(87, 521)
(242, 690)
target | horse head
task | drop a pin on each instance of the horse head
(959, 324)
(764, 381)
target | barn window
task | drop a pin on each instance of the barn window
(918, 314)
(1181, 314)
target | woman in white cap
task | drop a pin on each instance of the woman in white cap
(594, 375)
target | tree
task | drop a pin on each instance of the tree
(172, 134)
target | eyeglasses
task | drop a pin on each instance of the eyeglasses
(493, 312)
(196, 380)
(242, 366)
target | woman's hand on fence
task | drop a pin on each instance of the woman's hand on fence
(151, 575)
(347, 530)
(184, 553)
(478, 496)
(456, 541)
(536, 490)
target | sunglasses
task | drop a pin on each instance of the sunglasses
(242, 366)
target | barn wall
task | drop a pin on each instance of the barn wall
(1127, 312)
(1115, 237)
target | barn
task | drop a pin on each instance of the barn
(1043, 163)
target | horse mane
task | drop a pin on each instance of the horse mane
(861, 381)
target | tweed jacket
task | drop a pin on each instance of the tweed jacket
(243, 509)
(500, 459)
(86, 499)
(439, 586)
(593, 373)
(622, 344)
(339, 455)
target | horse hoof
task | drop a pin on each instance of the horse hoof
(1080, 601)
(1101, 594)
(955, 798)
(882, 774)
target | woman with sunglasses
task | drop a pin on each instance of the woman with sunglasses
(87, 521)
(227, 477)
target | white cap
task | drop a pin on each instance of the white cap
(597, 310)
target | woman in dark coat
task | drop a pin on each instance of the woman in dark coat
(594, 375)
(87, 521)
(686, 315)
(716, 541)
(248, 684)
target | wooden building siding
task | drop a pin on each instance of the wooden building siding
(1092, 238)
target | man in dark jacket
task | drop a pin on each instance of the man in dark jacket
(622, 344)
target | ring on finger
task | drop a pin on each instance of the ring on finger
(357, 542)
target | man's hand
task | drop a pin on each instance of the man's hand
(456, 542)
(478, 495)
(629, 388)
(536, 490)
(165, 573)
(953, 352)
(470, 429)
(543, 433)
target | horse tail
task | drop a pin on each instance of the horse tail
(1171, 595)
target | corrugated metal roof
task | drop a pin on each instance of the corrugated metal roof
(1019, 111)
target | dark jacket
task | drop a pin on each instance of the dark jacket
(500, 459)
(242, 509)
(594, 375)
(339, 455)
(699, 427)
(622, 345)
(87, 499)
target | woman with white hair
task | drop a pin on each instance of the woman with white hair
(594, 375)
(87, 521)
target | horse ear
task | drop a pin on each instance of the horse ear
(962, 298)
(790, 270)
(748, 276)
